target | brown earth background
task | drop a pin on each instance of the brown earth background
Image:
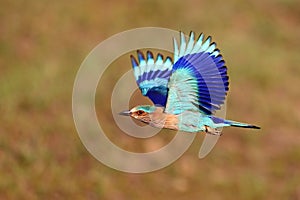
(42, 44)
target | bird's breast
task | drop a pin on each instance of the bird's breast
(190, 121)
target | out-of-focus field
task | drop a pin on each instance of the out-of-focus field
(42, 44)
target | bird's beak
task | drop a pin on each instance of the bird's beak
(125, 113)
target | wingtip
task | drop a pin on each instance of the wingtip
(207, 41)
(133, 61)
(149, 55)
(192, 34)
(160, 57)
(141, 56)
(182, 36)
(168, 58)
(201, 36)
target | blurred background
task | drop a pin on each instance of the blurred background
(42, 44)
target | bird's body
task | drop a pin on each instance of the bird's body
(188, 121)
(186, 92)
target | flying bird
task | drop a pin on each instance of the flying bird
(186, 91)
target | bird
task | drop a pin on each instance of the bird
(187, 90)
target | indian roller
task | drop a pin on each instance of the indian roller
(187, 91)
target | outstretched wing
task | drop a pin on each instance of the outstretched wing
(199, 78)
(152, 76)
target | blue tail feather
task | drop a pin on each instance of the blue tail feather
(242, 125)
(218, 120)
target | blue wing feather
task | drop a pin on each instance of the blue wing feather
(152, 76)
(205, 65)
(198, 78)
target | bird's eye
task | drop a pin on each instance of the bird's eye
(139, 112)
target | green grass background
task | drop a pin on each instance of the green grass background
(42, 44)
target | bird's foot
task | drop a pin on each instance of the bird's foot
(213, 131)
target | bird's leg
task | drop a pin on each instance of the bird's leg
(212, 131)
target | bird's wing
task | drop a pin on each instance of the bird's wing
(152, 76)
(199, 80)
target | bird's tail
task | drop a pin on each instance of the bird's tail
(239, 124)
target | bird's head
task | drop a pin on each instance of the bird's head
(142, 113)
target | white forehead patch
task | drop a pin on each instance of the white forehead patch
(134, 109)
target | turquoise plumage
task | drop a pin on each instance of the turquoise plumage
(187, 91)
